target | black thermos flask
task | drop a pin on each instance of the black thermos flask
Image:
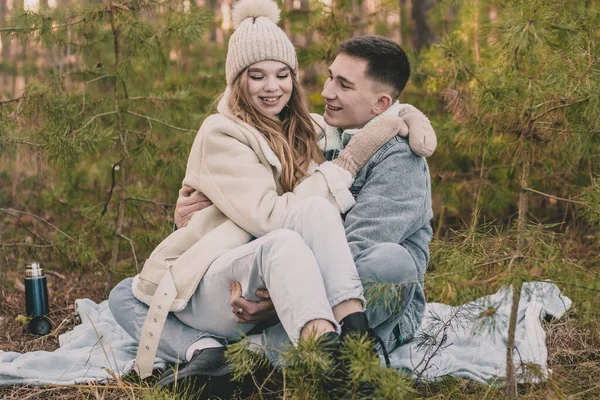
(36, 299)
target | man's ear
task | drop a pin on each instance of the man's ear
(384, 101)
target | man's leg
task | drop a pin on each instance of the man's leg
(176, 338)
(391, 263)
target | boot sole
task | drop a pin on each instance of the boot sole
(169, 381)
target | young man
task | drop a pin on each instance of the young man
(388, 228)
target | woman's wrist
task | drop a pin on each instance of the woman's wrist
(346, 162)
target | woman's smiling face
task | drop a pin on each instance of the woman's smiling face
(269, 86)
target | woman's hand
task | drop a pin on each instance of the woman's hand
(421, 136)
(188, 202)
(364, 144)
(248, 311)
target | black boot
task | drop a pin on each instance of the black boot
(331, 344)
(358, 324)
(355, 323)
(206, 366)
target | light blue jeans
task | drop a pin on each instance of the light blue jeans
(307, 267)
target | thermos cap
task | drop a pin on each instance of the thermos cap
(34, 270)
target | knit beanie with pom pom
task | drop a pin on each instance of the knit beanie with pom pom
(257, 38)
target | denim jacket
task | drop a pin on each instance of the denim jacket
(393, 202)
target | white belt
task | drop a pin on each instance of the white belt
(157, 315)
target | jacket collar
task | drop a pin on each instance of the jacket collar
(269, 154)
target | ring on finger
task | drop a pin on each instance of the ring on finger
(239, 311)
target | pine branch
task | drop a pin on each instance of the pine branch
(112, 187)
(427, 360)
(11, 211)
(468, 71)
(29, 30)
(443, 330)
(156, 120)
(85, 87)
(22, 141)
(137, 266)
(449, 175)
(93, 118)
(25, 244)
(54, 273)
(120, 6)
(157, 203)
(555, 197)
(3, 102)
(557, 108)
(476, 266)
(577, 286)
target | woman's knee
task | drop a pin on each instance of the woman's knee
(388, 263)
(284, 244)
(284, 238)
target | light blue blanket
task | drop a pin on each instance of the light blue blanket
(470, 341)
(455, 341)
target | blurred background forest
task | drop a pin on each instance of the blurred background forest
(100, 102)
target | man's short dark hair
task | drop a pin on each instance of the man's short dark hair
(387, 63)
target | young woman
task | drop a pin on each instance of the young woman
(275, 220)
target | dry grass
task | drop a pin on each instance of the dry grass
(573, 353)
(573, 347)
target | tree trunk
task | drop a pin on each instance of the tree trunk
(5, 79)
(311, 72)
(400, 14)
(2, 269)
(213, 5)
(477, 194)
(476, 31)
(424, 34)
(511, 378)
(122, 162)
(19, 52)
(288, 6)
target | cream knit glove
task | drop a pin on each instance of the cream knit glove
(421, 136)
(368, 141)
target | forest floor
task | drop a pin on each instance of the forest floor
(573, 351)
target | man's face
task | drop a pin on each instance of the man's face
(350, 96)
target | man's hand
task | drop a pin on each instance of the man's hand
(189, 201)
(248, 311)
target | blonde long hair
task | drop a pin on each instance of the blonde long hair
(291, 137)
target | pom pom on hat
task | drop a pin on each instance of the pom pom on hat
(257, 38)
(254, 9)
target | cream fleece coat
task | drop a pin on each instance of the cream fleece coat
(233, 165)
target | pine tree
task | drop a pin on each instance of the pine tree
(527, 99)
(116, 123)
